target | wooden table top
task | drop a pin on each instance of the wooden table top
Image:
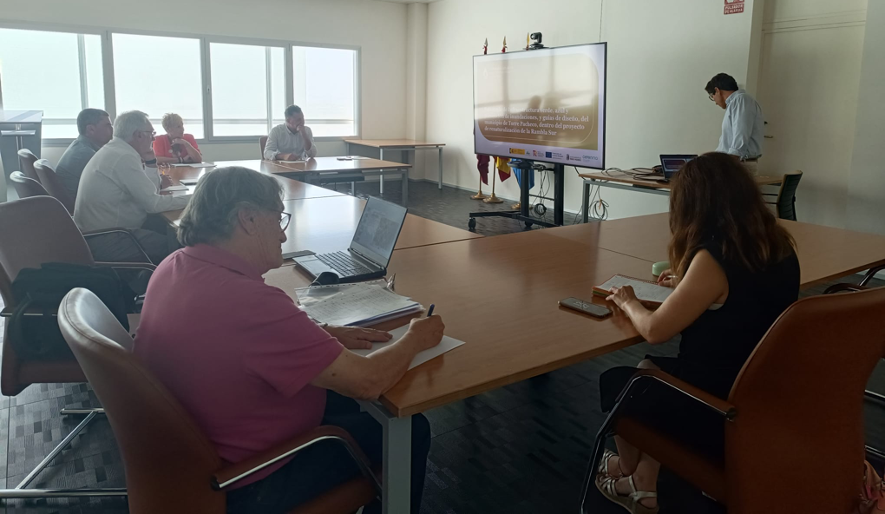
(324, 225)
(292, 189)
(623, 178)
(333, 165)
(392, 143)
(825, 253)
(500, 295)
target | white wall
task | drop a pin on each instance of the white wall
(661, 55)
(866, 190)
(811, 63)
(378, 28)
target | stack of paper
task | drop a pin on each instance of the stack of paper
(361, 305)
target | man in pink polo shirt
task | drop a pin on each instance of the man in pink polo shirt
(251, 367)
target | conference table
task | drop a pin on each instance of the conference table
(399, 144)
(318, 168)
(631, 182)
(322, 220)
(825, 253)
(518, 331)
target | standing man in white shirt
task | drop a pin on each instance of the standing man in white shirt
(119, 187)
(290, 141)
(743, 126)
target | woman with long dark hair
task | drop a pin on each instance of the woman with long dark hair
(734, 270)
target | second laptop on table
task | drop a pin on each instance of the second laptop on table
(370, 250)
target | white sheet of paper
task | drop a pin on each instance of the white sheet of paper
(644, 291)
(194, 165)
(447, 344)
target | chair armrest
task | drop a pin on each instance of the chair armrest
(710, 401)
(104, 232)
(229, 474)
(871, 274)
(840, 288)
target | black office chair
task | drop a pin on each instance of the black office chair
(26, 187)
(786, 197)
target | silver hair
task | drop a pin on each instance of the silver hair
(211, 214)
(130, 122)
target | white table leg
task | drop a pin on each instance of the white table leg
(381, 177)
(396, 481)
(405, 175)
(440, 167)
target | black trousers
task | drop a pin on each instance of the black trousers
(327, 464)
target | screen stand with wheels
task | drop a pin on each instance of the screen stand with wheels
(525, 167)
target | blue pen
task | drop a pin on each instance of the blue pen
(430, 310)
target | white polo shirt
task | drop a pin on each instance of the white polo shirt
(116, 190)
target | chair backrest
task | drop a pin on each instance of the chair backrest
(53, 186)
(26, 187)
(262, 142)
(798, 438)
(167, 458)
(34, 231)
(26, 159)
(786, 197)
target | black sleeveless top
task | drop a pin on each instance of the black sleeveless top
(715, 347)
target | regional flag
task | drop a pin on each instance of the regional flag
(503, 166)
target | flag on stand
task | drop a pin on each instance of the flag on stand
(517, 173)
(502, 164)
(482, 161)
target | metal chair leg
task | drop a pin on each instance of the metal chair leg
(21, 492)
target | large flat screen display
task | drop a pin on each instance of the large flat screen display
(543, 105)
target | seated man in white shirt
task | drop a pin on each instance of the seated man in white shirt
(119, 188)
(290, 141)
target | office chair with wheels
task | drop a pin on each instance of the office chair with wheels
(799, 370)
(53, 186)
(26, 159)
(785, 203)
(26, 187)
(170, 464)
(34, 231)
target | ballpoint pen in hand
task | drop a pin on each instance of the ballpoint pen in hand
(430, 310)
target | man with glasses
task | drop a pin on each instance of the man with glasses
(251, 368)
(119, 188)
(742, 128)
(95, 128)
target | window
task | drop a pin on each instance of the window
(158, 75)
(59, 73)
(248, 88)
(324, 85)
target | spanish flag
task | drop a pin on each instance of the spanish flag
(503, 166)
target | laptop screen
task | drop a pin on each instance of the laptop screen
(670, 164)
(378, 230)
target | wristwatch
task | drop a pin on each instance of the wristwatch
(151, 162)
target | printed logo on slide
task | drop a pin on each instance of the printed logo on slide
(556, 155)
(590, 158)
(573, 158)
(549, 155)
(517, 151)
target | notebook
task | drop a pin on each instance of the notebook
(359, 305)
(645, 291)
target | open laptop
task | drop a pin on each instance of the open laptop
(370, 249)
(670, 164)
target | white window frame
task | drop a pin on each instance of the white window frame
(110, 93)
(79, 31)
(357, 79)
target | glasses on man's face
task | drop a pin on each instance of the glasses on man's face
(712, 98)
(285, 218)
(151, 133)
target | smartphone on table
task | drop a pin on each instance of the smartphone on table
(590, 308)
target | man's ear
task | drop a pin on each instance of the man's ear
(247, 218)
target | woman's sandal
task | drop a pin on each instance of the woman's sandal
(603, 465)
(606, 486)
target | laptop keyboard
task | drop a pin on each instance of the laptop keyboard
(343, 264)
